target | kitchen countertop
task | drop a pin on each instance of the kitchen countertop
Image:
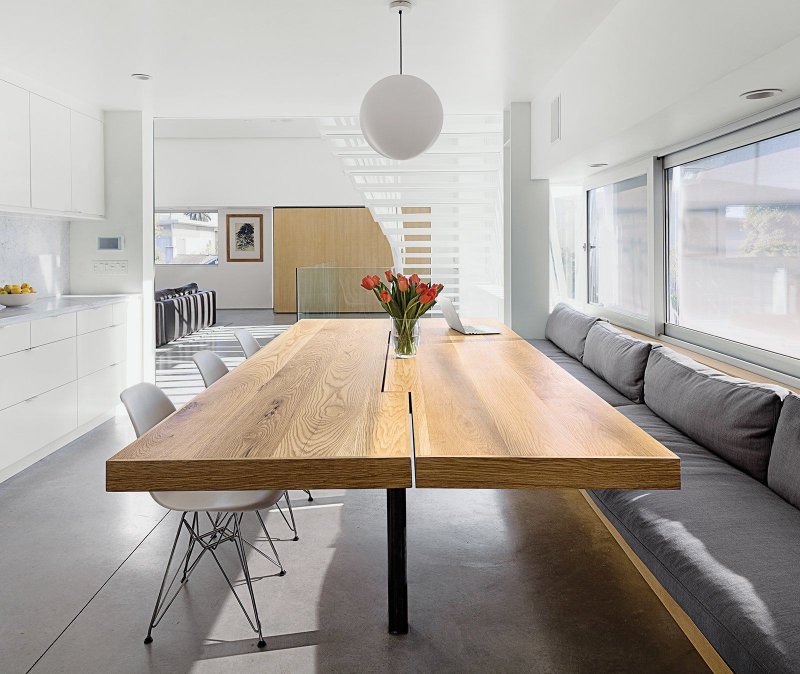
(55, 306)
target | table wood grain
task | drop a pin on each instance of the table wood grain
(306, 412)
(326, 405)
(492, 411)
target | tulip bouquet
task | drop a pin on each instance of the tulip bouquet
(405, 299)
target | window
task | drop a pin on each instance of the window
(618, 257)
(734, 244)
(186, 238)
(566, 213)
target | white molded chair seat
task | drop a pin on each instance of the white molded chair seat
(211, 366)
(217, 501)
(248, 343)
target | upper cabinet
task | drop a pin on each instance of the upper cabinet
(51, 157)
(15, 166)
(88, 186)
(51, 172)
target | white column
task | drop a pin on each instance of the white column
(526, 226)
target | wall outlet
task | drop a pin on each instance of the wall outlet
(110, 267)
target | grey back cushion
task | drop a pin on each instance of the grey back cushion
(734, 418)
(783, 476)
(567, 328)
(619, 359)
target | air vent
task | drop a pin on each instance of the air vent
(555, 119)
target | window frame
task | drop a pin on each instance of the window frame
(650, 167)
(774, 365)
(179, 209)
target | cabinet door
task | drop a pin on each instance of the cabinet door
(15, 149)
(37, 422)
(88, 192)
(30, 373)
(100, 349)
(50, 155)
(98, 393)
(14, 337)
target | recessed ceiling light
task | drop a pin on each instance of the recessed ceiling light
(141, 76)
(758, 94)
(598, 165)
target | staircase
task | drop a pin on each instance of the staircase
(442, 211)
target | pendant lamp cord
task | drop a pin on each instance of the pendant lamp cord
(401, 41)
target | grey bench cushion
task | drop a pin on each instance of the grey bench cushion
(567, 329)
(583, 374)
(618, 358)
(783, 475)
(725, 547)
(734, 418)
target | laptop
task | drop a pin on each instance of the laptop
(454, 320)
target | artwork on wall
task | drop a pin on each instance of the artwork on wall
(245, 237)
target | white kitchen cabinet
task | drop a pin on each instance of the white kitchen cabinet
(88, 182)
(53, 329)
(30, 373)
(100, 349)
(34, 423)
(14, 337)
(98, 393)
(15, 138)
(98, 318)
(119, 313)
(50, 168)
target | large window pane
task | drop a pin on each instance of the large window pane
(566, 213)
(734, 245)
(186, 238)
(618, 272)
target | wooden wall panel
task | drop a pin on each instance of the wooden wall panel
(326, 237)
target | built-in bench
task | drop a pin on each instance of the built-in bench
(726, 546)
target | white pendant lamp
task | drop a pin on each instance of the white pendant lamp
(401, 115)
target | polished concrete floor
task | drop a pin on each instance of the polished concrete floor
(509, 581)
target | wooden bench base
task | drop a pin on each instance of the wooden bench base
(701, 644)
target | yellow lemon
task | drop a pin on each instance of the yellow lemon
(33, 290)
(25, 291)
(7, 288)
(15, 290)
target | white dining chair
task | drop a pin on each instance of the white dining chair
(147, 406)
(211, 366)
(248, 343)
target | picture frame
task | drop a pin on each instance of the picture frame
(245, 234)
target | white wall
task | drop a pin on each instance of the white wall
(248, 175)
(129, 199)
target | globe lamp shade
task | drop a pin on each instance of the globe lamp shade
(401, 116)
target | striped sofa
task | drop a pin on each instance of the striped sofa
(182, 311)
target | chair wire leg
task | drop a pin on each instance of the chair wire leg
(293, 525)
(196, 527)
(246, 570)
(272, 545)
(310, 497)
(149, 639)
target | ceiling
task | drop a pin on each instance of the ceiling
(261, 58)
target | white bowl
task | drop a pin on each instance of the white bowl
(20, 300)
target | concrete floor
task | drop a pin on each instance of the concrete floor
(498, 580)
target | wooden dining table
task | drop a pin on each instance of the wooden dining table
(327, 405)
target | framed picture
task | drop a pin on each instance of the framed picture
(245, 237)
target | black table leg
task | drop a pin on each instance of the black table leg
(396, 531)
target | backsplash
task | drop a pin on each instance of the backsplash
(35, 249)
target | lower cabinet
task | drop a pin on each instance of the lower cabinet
(30, 373)
(98, 393)
(35, 423)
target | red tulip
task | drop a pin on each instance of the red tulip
(402, 284)
(428, 296)
(369, 282)
(414, 279)
(389, 275)
(376, 279)
(385, 297)
(421, 288)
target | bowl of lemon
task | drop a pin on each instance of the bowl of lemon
(17, 295)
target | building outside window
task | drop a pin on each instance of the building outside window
(733, 264)
(618, 247)
(186, 237)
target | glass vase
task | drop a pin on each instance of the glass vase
(405, 337)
